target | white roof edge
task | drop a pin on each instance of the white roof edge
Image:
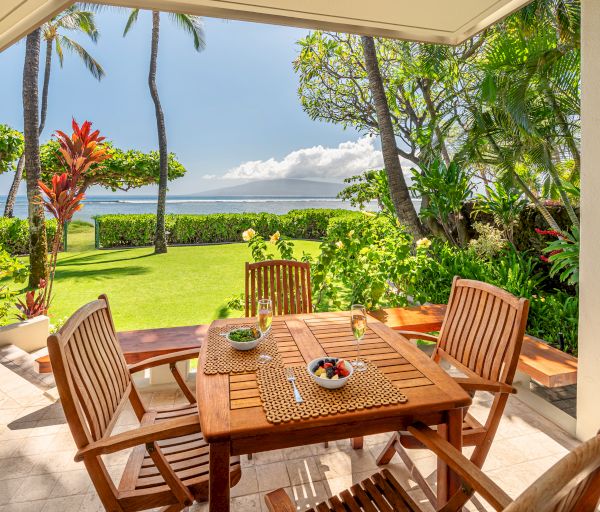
(33, 20)
(244, 12)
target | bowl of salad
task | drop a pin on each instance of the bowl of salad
(243, 338)
(330, 372)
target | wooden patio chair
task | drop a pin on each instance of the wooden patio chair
(481, 337)
(168, 466)
(571, 485)
(286, 283)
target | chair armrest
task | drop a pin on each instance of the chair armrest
(180, 355)
(279, 501)
(472, 477)
(413, 335)
(479, 384)
(177, 427)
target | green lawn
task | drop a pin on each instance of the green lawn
(188, 285)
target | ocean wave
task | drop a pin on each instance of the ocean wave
(245, 200)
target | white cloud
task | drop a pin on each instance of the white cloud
(348, 159)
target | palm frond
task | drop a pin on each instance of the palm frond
(193, 26)
(133, 16)
(91, 64)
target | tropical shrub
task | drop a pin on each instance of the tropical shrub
(138, 230)
(554, 317)
(489, 242)
(14, 270)
(447, 187)
(366, 187)
(563, 254)
(361, 260)
(504, 204)
(11, 147)
(14, 234)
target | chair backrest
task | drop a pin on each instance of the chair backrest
(571, 485)
(90, 371)
(483, 329)
(286, 283)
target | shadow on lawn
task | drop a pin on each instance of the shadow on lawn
(101, 273)
(96, 259)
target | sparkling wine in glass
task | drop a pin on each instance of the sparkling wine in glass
(358, 322)
(265, 318)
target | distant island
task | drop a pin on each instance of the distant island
(286, 187)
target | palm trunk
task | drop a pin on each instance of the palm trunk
(14, 188)
(160, 239)
(434, 121)
(405, 209)
(37, 225)
(9, 207)
(562, 192)
(564, 128)
(525, 188)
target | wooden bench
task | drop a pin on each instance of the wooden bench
(143, 344)
(545, 364)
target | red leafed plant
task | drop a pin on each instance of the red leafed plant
(34, 303)
(63, 196)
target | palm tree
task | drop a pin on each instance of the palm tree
(193, 26)
(73, 19)
(38, 268)
(405, 209)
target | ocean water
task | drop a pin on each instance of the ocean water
(101, 205)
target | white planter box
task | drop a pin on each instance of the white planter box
(29, 335)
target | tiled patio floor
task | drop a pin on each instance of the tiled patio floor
(37, 471)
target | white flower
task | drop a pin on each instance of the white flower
(339, 244)
(274, 237)
(248, 235)
(423, 243)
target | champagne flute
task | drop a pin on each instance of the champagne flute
(358, 322)
(265, 318)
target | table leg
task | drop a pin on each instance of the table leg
(218, 495)
(447, 482)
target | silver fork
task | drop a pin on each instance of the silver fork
(289, 375)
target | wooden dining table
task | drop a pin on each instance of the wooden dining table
(234, 423)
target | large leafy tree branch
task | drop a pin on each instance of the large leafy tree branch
(123, 170)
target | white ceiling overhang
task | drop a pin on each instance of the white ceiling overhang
(435, 21)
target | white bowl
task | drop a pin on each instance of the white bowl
(243, 345)
(328, 383)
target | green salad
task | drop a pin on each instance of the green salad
(244, 334)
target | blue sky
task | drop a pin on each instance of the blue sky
(230, 110)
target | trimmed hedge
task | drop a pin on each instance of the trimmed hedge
(136, 230)
(14, 234)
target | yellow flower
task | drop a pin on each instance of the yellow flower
(350, 233)
(248, 235)
(423, 243)
(274, 237)
(339, 244)
(368, 214)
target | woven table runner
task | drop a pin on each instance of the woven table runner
(370, 388)
(221, 357)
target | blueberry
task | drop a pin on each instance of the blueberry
(330, 372)
(320, 363)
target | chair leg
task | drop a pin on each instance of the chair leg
(416, 475)
(326, 443)
(357, 442)
(389, 451)
(249, 456)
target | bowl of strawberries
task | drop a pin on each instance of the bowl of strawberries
(330, 372)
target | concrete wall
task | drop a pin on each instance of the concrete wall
(588, 384)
